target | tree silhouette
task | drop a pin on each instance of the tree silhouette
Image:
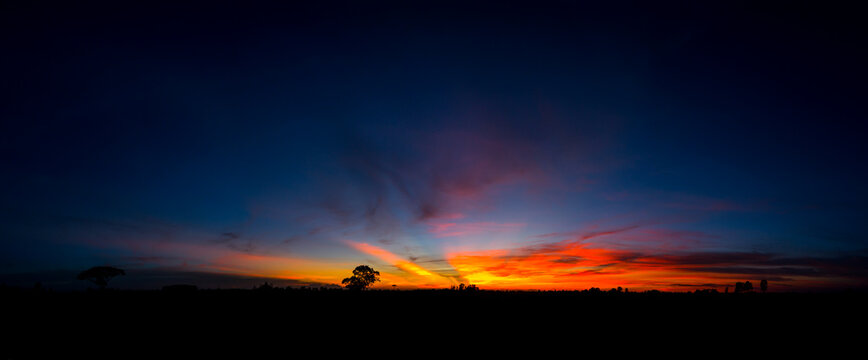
(764, 285)
(741, 287)
(100, 275)
(363, 276)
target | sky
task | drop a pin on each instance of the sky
(512, 145)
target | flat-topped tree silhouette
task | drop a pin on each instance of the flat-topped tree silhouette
(363, 276)
(100, 275)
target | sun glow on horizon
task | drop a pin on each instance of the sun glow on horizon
(414, 274)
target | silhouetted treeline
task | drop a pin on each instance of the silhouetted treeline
(303, 316)
(270, 288)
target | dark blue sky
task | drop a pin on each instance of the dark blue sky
(509, 144)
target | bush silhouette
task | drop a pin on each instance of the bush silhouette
(100, 275)
(363, 276)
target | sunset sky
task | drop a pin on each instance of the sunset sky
(511, 145)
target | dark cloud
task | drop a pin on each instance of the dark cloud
(744, 270)
(235, 242)
(709, 285)
(593, 234)
(766, 264)
(228, 236)
(567, 260)
(581, 235)
(707, 258)
(309, 235)
(755, 263)
(246, 246)
(138, 260)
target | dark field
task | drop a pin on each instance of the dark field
(321, 317)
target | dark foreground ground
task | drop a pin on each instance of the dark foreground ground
(338, 320)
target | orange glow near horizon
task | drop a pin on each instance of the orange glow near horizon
(560, 265)
(576, 266)
(428, 278)
(275, 267)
